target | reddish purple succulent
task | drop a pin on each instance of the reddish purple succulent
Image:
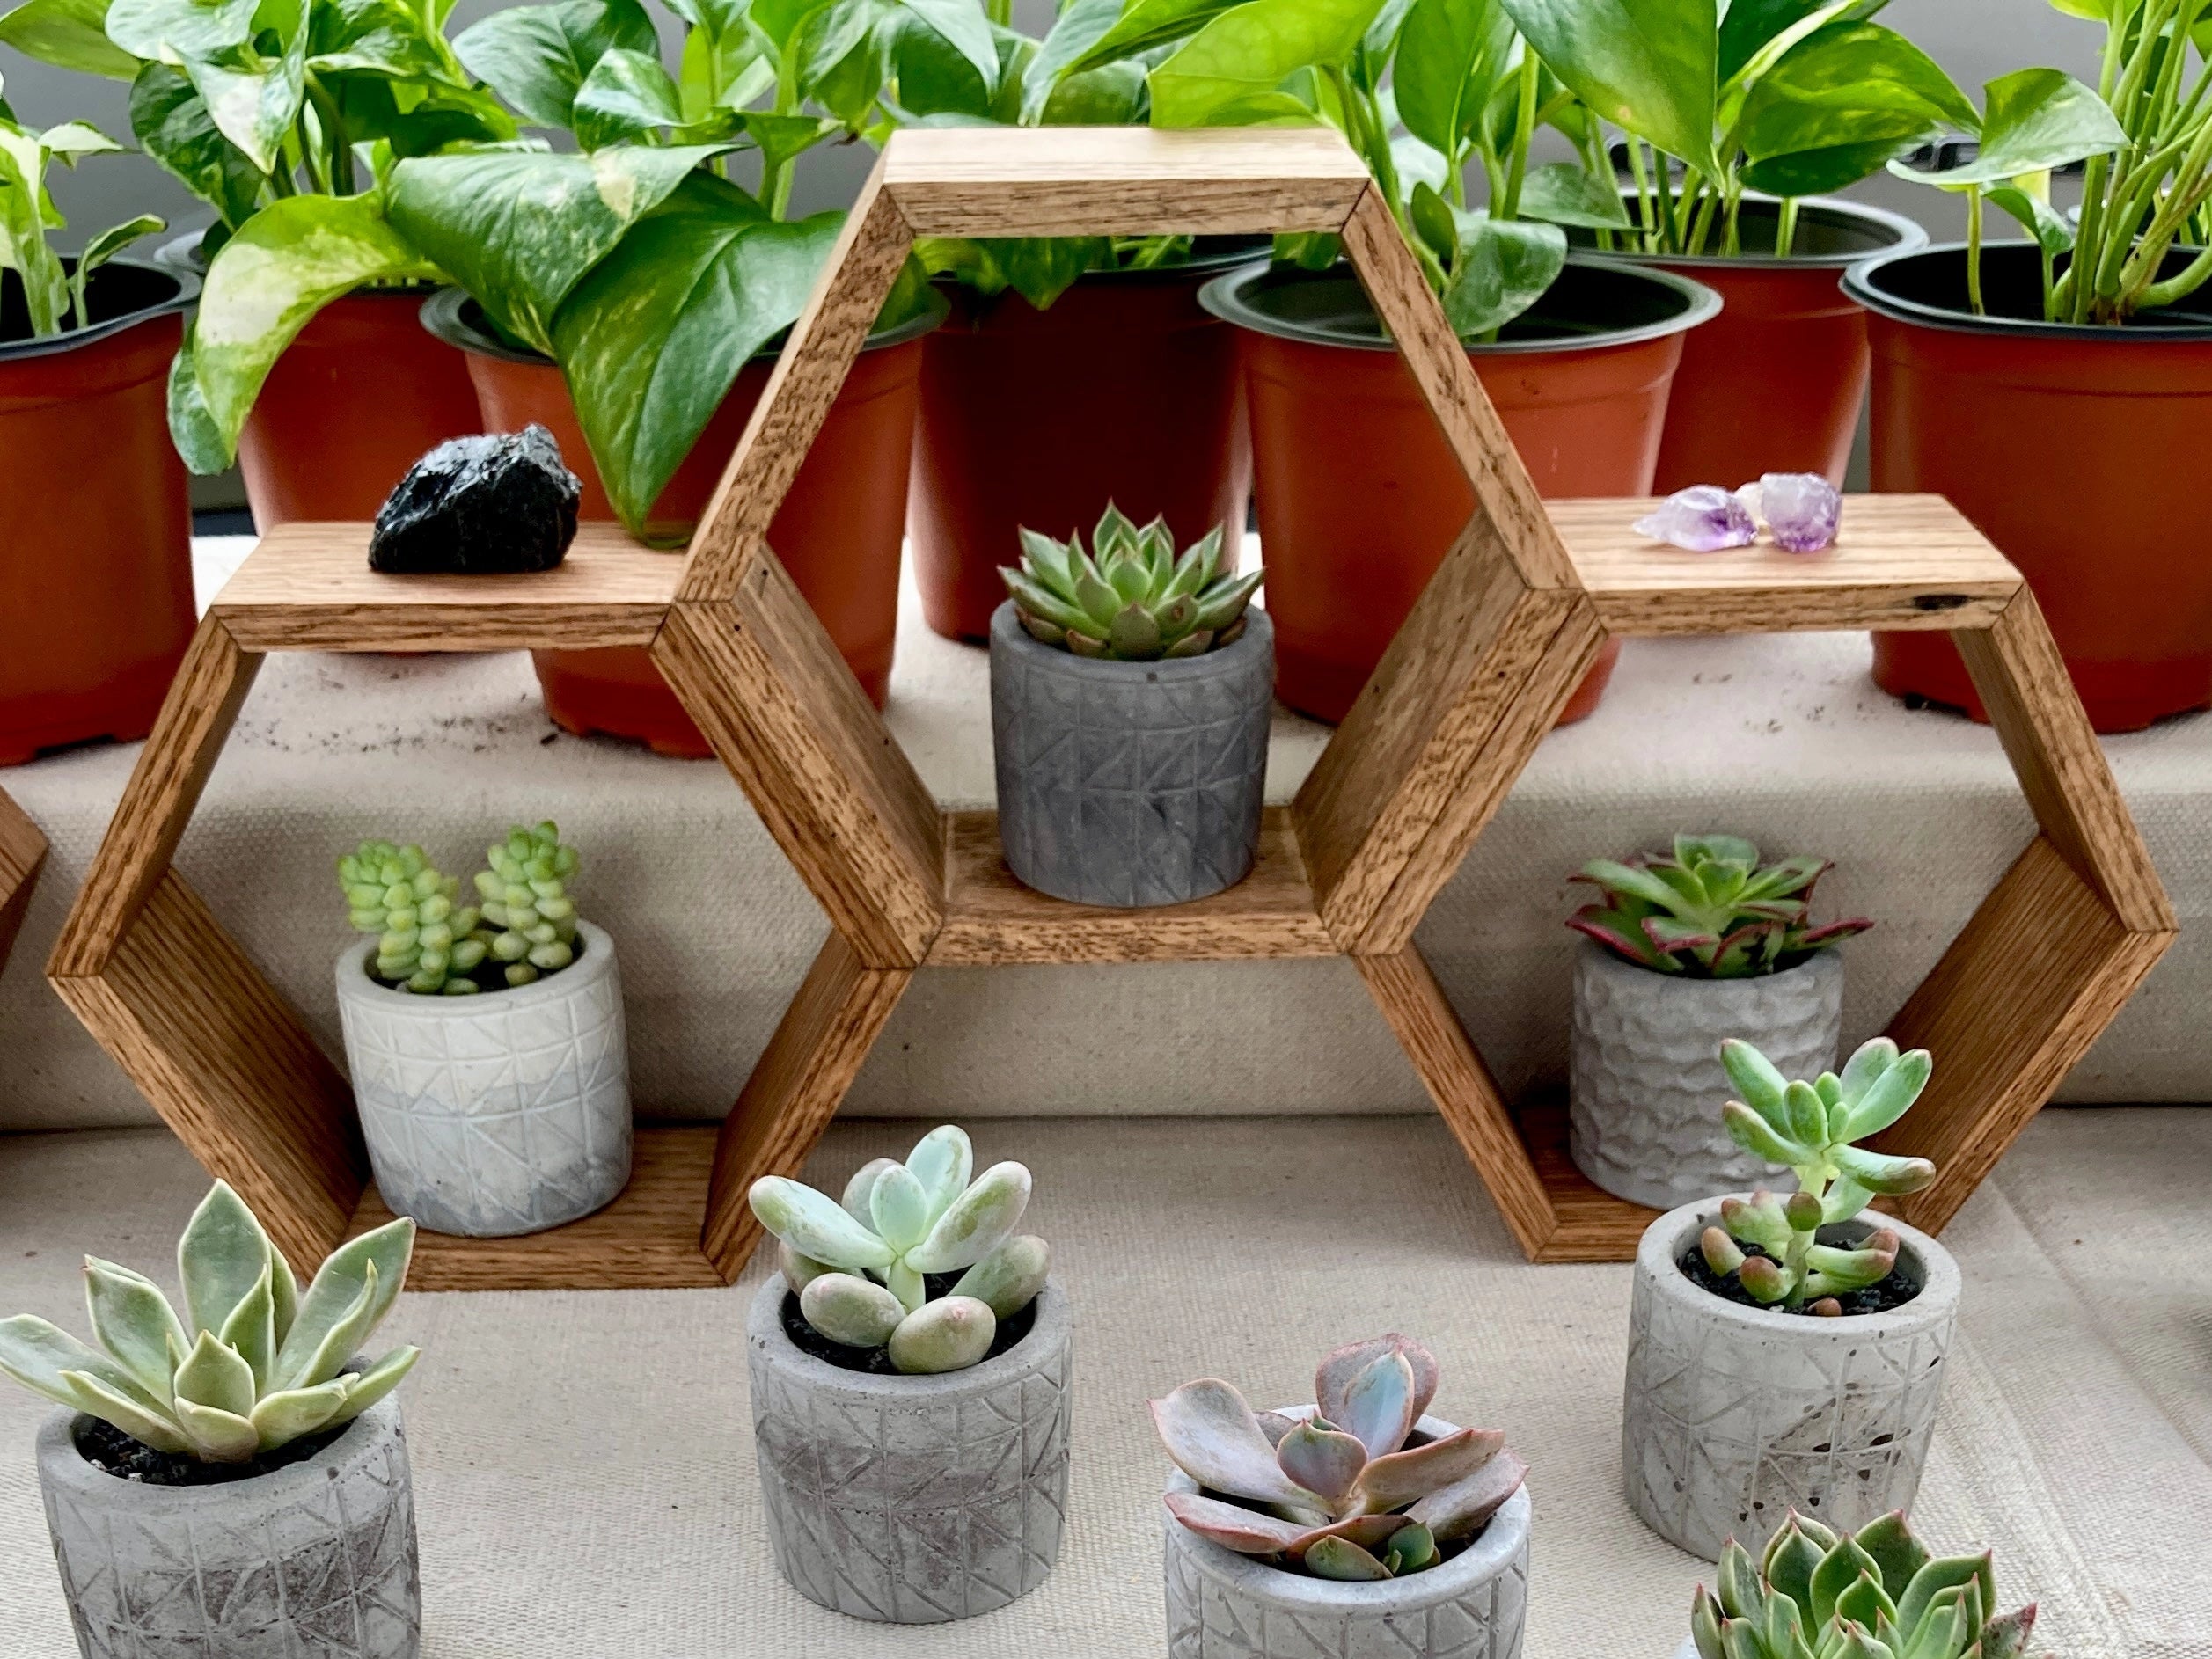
(1710, 911)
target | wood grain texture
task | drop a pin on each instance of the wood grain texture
(1465, 1094)
(1045, 181)
(855, 280)
(1521, 530)
(2040, 970)
(1593, 1224)
(22, 855)
(647, 1239)
(228, 1065)
(794, 728)
(309, 588)
(2060, 765)
(164, 786)
(991, 918)
(794, 1090)
(1900, 561)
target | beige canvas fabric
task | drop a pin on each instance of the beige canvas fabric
(1783, 739)
(585, 1475)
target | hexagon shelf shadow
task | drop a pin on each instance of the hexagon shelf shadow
(1515, 615)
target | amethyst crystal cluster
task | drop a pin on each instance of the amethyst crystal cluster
(1799, 512)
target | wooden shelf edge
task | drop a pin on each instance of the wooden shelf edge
(1594, 1225)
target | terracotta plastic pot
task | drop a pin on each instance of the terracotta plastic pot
(1123, 389)
(837, 532)
(355, 401)
(2074, 449)
(1359, 498)
(95, 516)
(1774, 383)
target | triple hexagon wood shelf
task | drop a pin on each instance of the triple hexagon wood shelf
(1514, 617)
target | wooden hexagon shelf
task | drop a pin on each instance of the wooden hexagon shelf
(22, 852)
(1514, 617)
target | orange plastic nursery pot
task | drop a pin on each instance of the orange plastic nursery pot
(1774, 383)
(838, 531)
(95, 515)
(2075, 450)
(1123, 389)
(1359, 498)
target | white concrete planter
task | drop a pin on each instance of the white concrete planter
(1224, 1606)
(913, 1500)
(1733, 1415)
(314, 1558)
(503, 1113)
(1645, 1081)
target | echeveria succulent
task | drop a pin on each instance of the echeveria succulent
(1348, 1492)
(253, 1364)
(531, 921)
(1811, 1127)
(860, 1267)
(424, 939)
(1709, 911)
(1132, 598)
(1875, 1594)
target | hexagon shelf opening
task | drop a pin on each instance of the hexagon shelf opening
(1515, 615)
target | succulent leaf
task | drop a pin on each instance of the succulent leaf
(1742, 1594)
(976, 1223)
(1399, 1477)
(1840, 1568)
(132, 1320)
(1704, 1625)
(1759, 1137)
(943, 1161)
(250, 1331)
(1722, 1253)
(1010, 1277)
(848, 1309)
(1338, 1557)
(899, 1209)
(43, 1357)
(1759, 1220)
(218, 1436)
(335, 1293)
(860, 1192)
(1895, 1551)
(948, 1334)
(1326, 1461)
(1211, 1433)
(1410, 1549)
(1880, 1172)
(281, 1418)
(214, 1375)
(1866, 1603)
(798, 1271)
(1806, 1115)
(1132, 598)
(1935, 1577)
(1454, 1511)
(814, 1226)
(1377, 1406)
(1756, 1078)
(1334, 1375)
(1247, 1532)
(221, 1256)
(368, 1387)
(157, 1428)
(1888, 1096)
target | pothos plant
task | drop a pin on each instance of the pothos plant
(54, 291)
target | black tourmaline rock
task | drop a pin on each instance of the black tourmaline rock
(480, 506)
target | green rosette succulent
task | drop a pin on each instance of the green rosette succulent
(254, 1362)
(1712, 910)
(1131, 598)
(425, 940)
(861, 1266)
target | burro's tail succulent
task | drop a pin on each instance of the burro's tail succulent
(530, 919)
(253, 1363)
(861, 1267)
(1131, 598)
(1340, 1494)
(1875, 1594)
(1810, 1127)
(1709, 911)
(424, 937)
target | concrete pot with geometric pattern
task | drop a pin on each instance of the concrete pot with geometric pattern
(316, 1558)
(1224, 1606)
(1645, 1084)
(503, 1113)
(1130, 784)
(1733, 1416)
(913, 1500)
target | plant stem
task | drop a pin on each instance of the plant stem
(1785, 228)
(1524, 129)
(1643, 191)
(1974, 248)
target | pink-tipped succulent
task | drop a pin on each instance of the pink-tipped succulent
(1710, 911)
(1351, 1491)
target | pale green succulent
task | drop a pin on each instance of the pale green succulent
(254, 1364)
(860, 1267)
(1132, 599)
(530, 919)
(424, 942)
(1811, 1127)
(1875, 1594)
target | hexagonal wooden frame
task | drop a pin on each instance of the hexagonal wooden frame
(22, 853)
(1513, 618)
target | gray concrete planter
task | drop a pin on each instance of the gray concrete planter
(1223, 1606)
(1733, 1416)
(317, 1558)
(1130, 783)
(1645, 1081)
(503, 1113)
(913, 1500)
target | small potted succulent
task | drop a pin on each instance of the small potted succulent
(1355, 1524)
(490, 1059)
(1683, 950)
(911, 1365)
(1131, 692)
(233, 1482)
(1786, 1353)
(1873, 1594)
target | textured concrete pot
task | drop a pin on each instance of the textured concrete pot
(912, 1500)
(1130, 783)
(1223, 1606)
(1645, 1080)
(1733, 1416)
(504, 1113)
(317, 1558)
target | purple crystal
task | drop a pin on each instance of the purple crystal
(1703, 518)
(1802, 510)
